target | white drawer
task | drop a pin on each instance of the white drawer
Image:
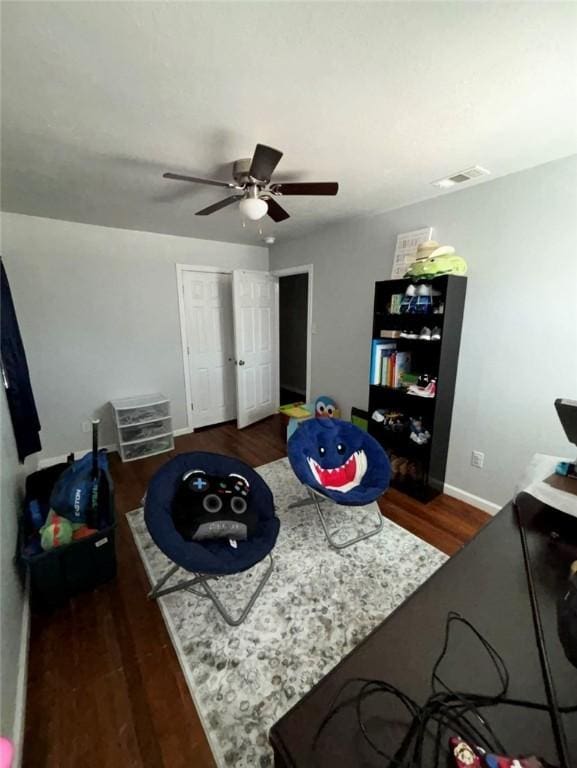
(146, 448)
(146, 431)
(142, 415)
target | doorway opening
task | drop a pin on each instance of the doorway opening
(295, 310)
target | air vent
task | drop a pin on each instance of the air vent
(461, 177)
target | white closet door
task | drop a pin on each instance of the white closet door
(255, 309)
(209, 336)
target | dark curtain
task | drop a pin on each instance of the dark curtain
(16, 377)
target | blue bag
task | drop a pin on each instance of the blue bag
(75, 491)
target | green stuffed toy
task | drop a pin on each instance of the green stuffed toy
(442, 261)
(57, 531)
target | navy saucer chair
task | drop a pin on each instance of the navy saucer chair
(211, 558)
(338, 462)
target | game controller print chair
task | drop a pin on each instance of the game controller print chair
(336, 460)
(213, 516)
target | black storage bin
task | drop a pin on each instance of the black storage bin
(80, 566)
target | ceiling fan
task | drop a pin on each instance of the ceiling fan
(253, 187)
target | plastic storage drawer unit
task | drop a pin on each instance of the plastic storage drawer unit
(143, 425)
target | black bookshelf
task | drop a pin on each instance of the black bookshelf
(425, 464)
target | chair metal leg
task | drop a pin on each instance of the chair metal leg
(154, 592)
(316, 499)
(303, 502)
(157, 590)
(203, 580)
(244, 613)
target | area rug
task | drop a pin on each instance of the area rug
(317, 605)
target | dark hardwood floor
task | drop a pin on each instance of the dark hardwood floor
(105, 688)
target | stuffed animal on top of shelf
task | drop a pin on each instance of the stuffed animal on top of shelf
(436, 261)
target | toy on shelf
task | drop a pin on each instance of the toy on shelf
(392, 421)
(421, 299)
(418, 433)
(434, 260)
(418, 300)
(425, 387)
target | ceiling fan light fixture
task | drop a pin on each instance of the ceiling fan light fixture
(253, 190)
(253, 208)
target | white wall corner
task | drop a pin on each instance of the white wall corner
(22, 681)
(470, 498)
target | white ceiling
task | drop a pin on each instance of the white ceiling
(99, 98)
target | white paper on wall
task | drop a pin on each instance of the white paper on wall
(406, 250)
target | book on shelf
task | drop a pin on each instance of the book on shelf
(379, 349)
(395, 365)
(402, 366)
(388, 366)
(395, 304)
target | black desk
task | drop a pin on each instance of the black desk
(551, 538)
(487, 583)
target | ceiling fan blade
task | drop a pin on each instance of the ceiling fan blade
(217, 206)
(276, 211)
(197, 180)
(264, 161)
(306, 188)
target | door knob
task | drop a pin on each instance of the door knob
(241, 362)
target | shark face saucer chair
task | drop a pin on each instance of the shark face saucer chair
(339, 462)
(211, 558)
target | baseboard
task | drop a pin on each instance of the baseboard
(470, 498)
(183, 431)
(49, 462)
(21, 685)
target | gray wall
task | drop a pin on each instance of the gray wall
(12, 677)
(293, 308)
(519, 345)
(99, 310)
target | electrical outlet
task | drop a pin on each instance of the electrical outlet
(477, 459)
(86, 426)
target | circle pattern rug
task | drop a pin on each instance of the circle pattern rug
(316, 607)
